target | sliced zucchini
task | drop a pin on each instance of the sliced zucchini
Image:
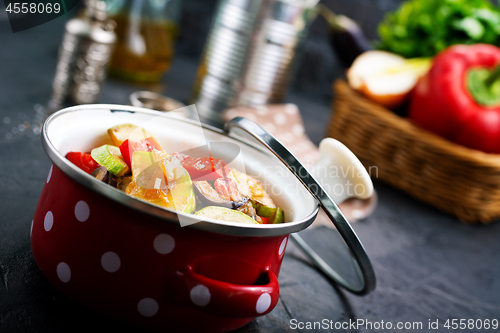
(225, 214)
(111, 158)
(277, 217)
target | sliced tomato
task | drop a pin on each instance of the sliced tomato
(128, 147)
(203, 168)
(227, 188)
(83, 161)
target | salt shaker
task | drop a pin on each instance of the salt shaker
(84, 54)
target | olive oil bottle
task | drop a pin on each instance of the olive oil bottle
(146, 32)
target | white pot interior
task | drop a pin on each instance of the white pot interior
(85, 127)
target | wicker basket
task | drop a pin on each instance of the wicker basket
(455, 179)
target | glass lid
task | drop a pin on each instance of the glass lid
(337, 251)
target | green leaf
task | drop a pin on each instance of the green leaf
(471, 27)
(422, 28)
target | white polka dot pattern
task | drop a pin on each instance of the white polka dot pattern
(164, 243)
(270, 127)
(263, 303)
(110, 261)
(262, 111)
(297, 129)
(48, 222)
(200, 295)
(280, 119)
(63, 272)
(147, 307)
(291, 109)
(82, 211)
(252, 117)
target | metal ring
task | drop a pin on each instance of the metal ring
(331, 209)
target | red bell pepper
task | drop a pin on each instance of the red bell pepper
(128, 147)
(203, 168)
(459, 98)
(265, 220)
(83, 161)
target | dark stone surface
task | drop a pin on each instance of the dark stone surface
(428, 265)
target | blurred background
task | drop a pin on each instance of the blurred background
(428, 264)
(316, 69)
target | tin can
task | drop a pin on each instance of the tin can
(249, 55)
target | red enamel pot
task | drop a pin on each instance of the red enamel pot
(134, 261)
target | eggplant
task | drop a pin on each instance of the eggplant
(102, 174)
(346, 37)
(113, 181)
(209, 196)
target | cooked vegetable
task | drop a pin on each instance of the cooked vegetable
(227, 188)
(110, 157)
(150, 183)
(128, 147)
(249, 210)
(209, 196)
(101, 173)
(251, 188)
(265, 211)
(203, 168)
(459, 98)
(150, 166)
(120, 133)
(264, 220)
(277, 217)
(171, 167)
(423, 28)
(123, 182)
(261, 201)
(225, 214)
(161, 179)
(273, 214)
(83, 161)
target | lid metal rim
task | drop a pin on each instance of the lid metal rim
(325, 201)
(210, 225)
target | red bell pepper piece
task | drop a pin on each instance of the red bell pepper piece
(265, 220)
(128, 147)
(83, 161)
(203, 168)
(457, 101)
(227, 188)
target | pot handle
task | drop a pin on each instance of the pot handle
(225, 299)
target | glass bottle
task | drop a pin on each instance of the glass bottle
(146, 32)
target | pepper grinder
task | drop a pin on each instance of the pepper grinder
(83, 56)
